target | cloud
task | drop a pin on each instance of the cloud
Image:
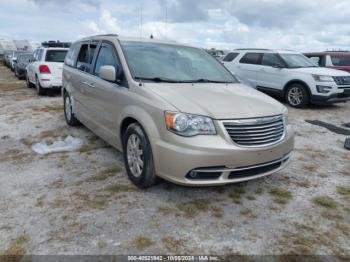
(288, 24)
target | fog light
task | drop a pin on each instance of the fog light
(323, 89)
(193, 174)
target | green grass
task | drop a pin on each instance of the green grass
(325, 201)
(280, 196)
(193, 208)
(105, 174)
(237, 193)
(343, 190)
(142, 242)
(118, 188)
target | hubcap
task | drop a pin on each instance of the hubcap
(295, 96)
(68, 108)
(135, 155)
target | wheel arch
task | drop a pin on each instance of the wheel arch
(296, 81)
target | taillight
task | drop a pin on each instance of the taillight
(44, 69)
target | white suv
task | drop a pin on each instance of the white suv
(45, 68)
(290, 75)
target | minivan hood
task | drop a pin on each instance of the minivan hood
(218, 101)
(321, 71)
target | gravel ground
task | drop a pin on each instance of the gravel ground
(82, 202)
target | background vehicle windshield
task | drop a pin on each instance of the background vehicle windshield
(24, 58)
(174, 63)
(297, 60)
(340, 61)
(55, 55)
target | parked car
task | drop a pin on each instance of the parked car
(290, 75)
(45, 68)
(20, 65)
(7, 58)
(175, 112)
(335, 60)
(14, 56)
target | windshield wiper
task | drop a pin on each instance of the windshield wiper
(202, 80)
(157, 79)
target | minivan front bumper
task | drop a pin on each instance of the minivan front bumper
(223, 161)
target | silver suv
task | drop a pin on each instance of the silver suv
(174, 111)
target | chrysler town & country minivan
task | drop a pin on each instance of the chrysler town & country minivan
(174, 111)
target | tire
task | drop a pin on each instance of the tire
(138, 157)
(71, 120)
(297, 96)
(29, 84)
(39, 90)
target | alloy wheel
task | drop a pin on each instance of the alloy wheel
(134, 153)
(295, 96)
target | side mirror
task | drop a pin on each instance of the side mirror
(111, 73)
(14, 60)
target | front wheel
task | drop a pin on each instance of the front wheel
(297, 96)
(138, 157)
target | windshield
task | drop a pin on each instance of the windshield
(297, 60)
(24, 58)
(56, 55)
(341, 61)
(172, 63)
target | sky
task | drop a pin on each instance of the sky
(225, 24)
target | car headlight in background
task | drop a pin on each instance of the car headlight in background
(189, 125)
(320, 78)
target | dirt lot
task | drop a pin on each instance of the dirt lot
(82, 202)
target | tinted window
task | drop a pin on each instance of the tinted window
(340, 61)
(271, 60)
(250, 58)
(230, 57)
(55, 55)
(92, 52)
(106, 56)
(84, 54)
(72, 54)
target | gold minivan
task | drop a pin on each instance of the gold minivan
(174, 111)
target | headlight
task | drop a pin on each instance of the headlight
(189, 125)
(320, 78)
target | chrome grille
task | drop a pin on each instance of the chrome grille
(342, 80)
(256, 132)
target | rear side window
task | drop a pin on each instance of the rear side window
(55, 56)
(340, 61)
(250, 58)
(86, 56)
(230, 57)
(271, 60)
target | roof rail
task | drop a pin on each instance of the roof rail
(108, 35)
(56, 44)
(337, 51)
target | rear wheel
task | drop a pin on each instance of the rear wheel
(138, 157)
(297, 96)
(39, 90)
(71, 120)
